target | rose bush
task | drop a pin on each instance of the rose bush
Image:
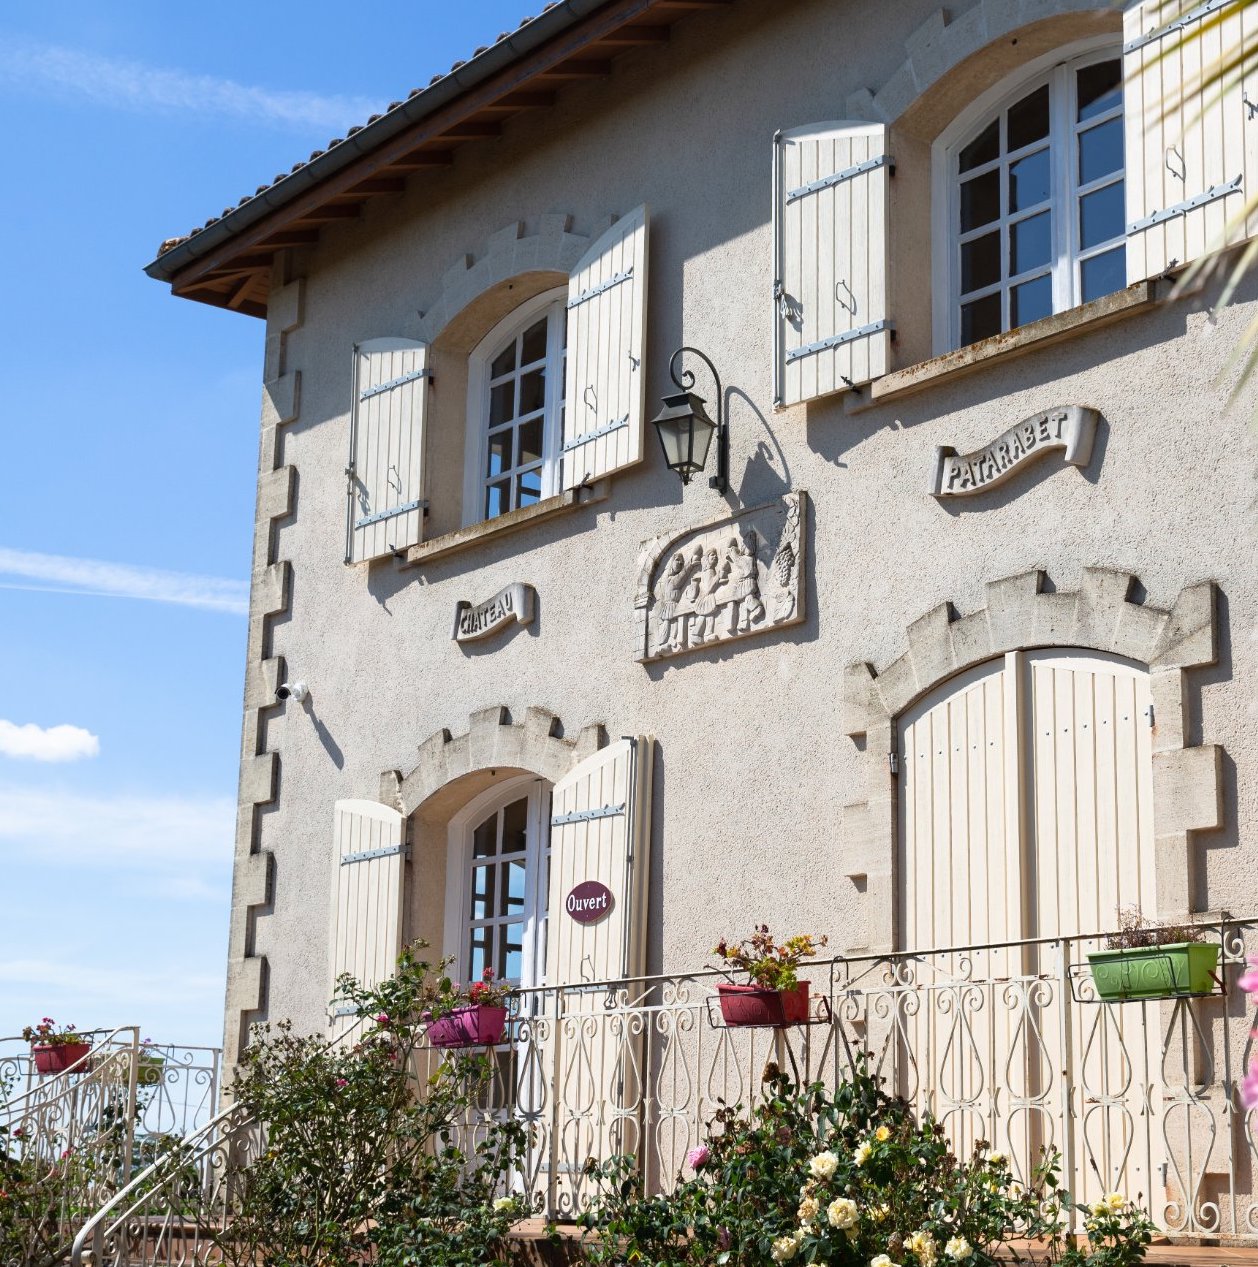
(849, 1178)
(363, 1160)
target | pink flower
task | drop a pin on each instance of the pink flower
(1249, 1087)
(382, 1019)
(340, 1082)
(1249, 980)
(696, 1158)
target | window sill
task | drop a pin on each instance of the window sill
(1028, 338)
(464, 538)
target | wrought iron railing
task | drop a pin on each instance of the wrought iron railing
(1006, 1043)
(82, 1133)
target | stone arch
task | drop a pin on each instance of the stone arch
(1021, 614)
(509, 253)
(943, 43)
(492, 741)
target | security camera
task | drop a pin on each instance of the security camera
(292, 690)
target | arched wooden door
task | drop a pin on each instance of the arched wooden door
(1025, 816)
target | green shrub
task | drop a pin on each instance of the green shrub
(361, 1160)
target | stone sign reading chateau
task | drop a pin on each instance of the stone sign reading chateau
(514, 602)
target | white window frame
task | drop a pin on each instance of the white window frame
(478, 380)
(459, 862)
(1061, 64)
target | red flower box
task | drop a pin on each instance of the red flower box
(58, 1057)
(754, 1005)
(472, 1025)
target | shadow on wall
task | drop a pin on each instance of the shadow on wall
(655, 881)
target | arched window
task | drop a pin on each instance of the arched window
(1034, 179)
(500, 850)
(515, 410)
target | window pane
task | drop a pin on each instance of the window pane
(513, 889)
(980, 262)
(983, 148)
(1031, 301)
(504, 362)
(510, 952)
(497, 499)
(1100, 151)
(980, 200)
(1103, 274)
(533, 345)
(499, 452)
(1028, 120)
(529, 488)
(529, 445)
(479, 952)
(1028, 181)
(1100, 88)
(483, 891)
(514, 826)
(485, 838)
(1030, 243)
(532, 391)
(980, 319)
(502, 403)
(1101, 215)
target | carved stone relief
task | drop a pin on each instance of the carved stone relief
(727, 579)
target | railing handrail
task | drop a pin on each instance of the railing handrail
(39, 1093)
(872, 958)
(196, 1142)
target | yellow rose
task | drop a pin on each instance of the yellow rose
(882, 1134)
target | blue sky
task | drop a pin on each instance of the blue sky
(129, 428)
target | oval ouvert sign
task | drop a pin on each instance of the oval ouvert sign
(589, 902)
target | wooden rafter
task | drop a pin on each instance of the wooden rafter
(583, 52)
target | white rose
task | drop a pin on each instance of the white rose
(882, 1260)
(823, 1165)
(1115, 1201)
(842, 1213)
(503, 1203)
(809, 1208)
(996, 1159)
(784, 1249)
(861, 1155)
(922, 1244)
(958, 1248)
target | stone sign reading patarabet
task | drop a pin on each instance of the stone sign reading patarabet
(1069, 427)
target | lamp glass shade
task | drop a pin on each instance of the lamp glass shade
(685, 432)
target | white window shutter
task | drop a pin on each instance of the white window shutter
(1190, 160)
(605, 384)
(365, 936)
(600, 829)
(386, 456)
(832, 330)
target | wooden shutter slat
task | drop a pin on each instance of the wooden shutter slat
(1191, 158)
(604, 384)
(369, 854)
(386, 499)
(832, 329)
(600, 830)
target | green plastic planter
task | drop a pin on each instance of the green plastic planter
(1155, 972)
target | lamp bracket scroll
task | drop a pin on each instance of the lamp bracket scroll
(685, 380)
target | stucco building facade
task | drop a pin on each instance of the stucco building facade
(963, 655)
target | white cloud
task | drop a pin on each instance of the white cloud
(131, 85)
(64, 574)
(60, 826)
(54, 743)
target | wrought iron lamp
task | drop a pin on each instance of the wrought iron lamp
(686, 431)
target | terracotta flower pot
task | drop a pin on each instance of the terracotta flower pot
(753, 1005)
(472, 1025)
(58, 1057)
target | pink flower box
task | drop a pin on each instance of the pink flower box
(753, 1005)
(472, 1025)
(58, 1057)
